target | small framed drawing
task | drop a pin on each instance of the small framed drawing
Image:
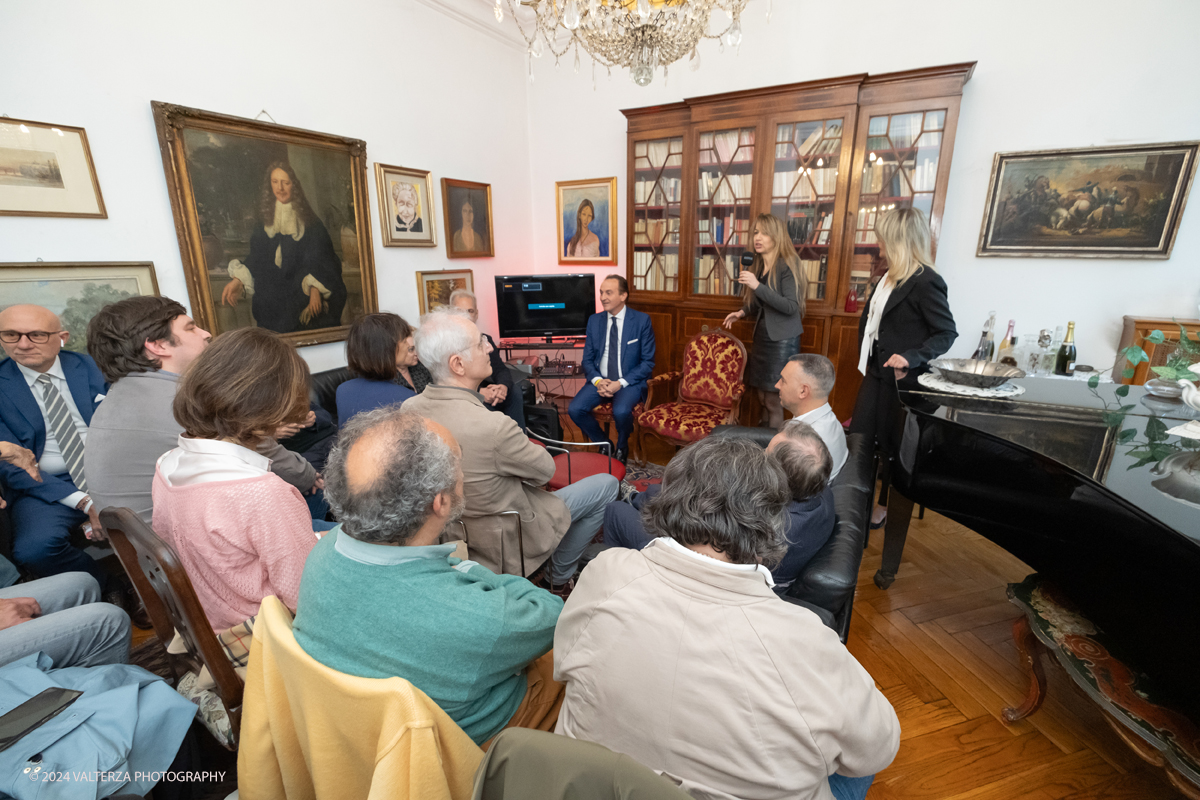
(434, 288)
(46, 171)
(75, 291)
(405, 206)
(1102, 202)
(587, 221)
(467, 207)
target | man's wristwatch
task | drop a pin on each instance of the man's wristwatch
(84, 505)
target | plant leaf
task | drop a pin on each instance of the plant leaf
(1141, 463)
(1122, 390)
(1168, 373)
(1156, 430)
(1186, 343)
(1135, 355)
(1161, 451)
(1155, 337)
(1126, 435)
(1128, 373)
(1093, 381)
(1113, 418)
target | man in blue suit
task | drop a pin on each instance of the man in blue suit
(617, 330)
(47, 398)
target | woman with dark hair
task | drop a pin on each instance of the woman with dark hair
(292, 275)
(773, 294)
(241, 532)
(375, 349)
(585, 243)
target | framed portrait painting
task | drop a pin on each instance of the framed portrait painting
(273, 224)
(1104, 202)
(46, 171)
(434, 288)
(405, 206)
(587, 221)
(467, 207)
(75, 291)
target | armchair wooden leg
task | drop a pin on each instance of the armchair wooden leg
(1031, 651)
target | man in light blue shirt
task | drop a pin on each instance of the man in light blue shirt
(804, 386)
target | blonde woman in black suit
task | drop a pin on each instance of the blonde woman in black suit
(773, 294)
(906, 324)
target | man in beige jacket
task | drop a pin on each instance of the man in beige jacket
(502, 468)
(680, 655)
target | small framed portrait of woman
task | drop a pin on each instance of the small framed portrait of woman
(405, 206)
(587, 221)
(468, 210)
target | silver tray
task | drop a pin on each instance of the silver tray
(975, 373)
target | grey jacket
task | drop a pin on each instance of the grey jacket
(780, 309)
(134, 425)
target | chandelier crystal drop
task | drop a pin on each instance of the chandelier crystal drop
(640, 35)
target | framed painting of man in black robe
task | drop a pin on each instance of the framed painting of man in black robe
(272, 222)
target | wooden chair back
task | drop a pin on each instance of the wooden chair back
(167, 592)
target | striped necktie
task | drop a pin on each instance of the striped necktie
(69, 441)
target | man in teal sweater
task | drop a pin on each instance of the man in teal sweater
(380, 598)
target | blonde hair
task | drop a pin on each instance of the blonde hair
(403, 187)
(785, 253)
(905, 240)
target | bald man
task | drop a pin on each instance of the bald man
(47, 397)
(380, 597)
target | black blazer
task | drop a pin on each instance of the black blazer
(916, 323)
(781, 309)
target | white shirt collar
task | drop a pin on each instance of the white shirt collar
(55, 371)
(674, 545)
(620, 315)
(816, 413)
(215, 447)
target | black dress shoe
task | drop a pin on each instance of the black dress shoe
(122, 595)
(622, 455)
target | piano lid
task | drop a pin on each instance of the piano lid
(1119, 442)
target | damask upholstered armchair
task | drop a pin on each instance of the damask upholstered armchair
(709, 391)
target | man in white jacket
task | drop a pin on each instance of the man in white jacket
(680, 655)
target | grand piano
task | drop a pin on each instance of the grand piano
(1103, 504)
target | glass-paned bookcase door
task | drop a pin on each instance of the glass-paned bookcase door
(899, 171)
(804, 193)
(657, 194)
(723, 219)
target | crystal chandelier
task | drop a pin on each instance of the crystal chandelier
(639, 34)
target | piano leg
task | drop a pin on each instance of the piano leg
(895, 533)
(1031, 652)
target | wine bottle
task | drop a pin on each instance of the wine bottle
(1007, 344)
(1064, 363)
(986, 345)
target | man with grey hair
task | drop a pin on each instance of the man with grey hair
(502, 468)
(681, 656)
(804, 386)
(498, 391)
(380, 597)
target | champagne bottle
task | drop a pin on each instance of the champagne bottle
(986, 345)
(1007, 344)
(1064, 363)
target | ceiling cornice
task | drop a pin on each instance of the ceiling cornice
(506, 34)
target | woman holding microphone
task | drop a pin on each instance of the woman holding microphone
(773, 294)
(906, 324)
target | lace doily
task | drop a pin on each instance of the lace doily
(931, 381)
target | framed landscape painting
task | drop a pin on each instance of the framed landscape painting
(405, 206)
(587, 221)
(273, 224)
(434, 288)
(75, 291)
(1109, 202)
(468, 210)
(46, 171)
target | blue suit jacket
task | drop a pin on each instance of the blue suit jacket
(637, 349)
(21, 420)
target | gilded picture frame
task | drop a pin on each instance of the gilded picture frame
(75, 290)
(587, 221)
(1095, 202)
(406, 215)
(434, 288)
(273, 223)
(462, 200)
(46, 170)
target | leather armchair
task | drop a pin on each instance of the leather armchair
(322, 389)
(828, 581)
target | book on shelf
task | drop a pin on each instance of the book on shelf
(658, 192)
(657, 232)
(806, 184)
(726, 189)
(655, 272)
(864, 229)
(715, 275)
(720, 147)
(812, 277)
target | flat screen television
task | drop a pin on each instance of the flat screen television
(544, 305)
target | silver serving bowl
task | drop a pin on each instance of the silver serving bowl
(975, 373)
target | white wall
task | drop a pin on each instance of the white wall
(1049, 75)
(422, 90)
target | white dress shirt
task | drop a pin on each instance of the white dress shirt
(206, 460)
(620, 315)
(674, 545)
(825, 423)
(879, 301)
(52, 461)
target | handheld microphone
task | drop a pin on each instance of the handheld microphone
(747, 259)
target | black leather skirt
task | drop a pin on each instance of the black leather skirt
(767, 359)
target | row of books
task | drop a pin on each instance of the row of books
(716, 275)
(806, 185)
(719, 147)
(727, 230)
(814, 277)
(655, 272)
(812, 145)
(659, 192)
(659, 153)
(727, 189)
(656, 232)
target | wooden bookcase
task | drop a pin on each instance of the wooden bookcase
(825, 156)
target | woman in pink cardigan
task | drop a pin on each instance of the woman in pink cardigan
(241, 532)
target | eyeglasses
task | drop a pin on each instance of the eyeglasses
(37, 337)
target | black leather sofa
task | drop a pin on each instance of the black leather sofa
(828, 581)
(322, 389)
